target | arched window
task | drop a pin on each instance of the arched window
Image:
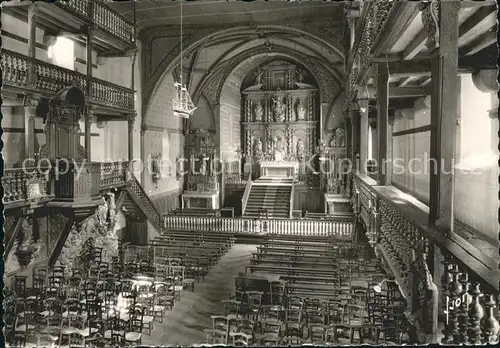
(62, 53)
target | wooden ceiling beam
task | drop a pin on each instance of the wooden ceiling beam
(408, 92)
(478, 44)
(396, 92)
(406, 81)
(401, 16)
(480, 15)
(418, 43)
(415, 46)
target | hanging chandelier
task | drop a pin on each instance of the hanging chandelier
(182, 104)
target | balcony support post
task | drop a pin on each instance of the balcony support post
(382, 122)
(89, 46)
(442, 44)
(30, 106)
(131, 120)
(32, 20)
(88, 134)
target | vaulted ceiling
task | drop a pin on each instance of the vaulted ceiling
(209, 12)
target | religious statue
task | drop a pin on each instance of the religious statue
(301, 111)
(333, 143)
(259, 112)
(203, 167)
(279, 110)
(340, 137)
(258, 77)
(258, 147)
(300, 75)
(300, 150)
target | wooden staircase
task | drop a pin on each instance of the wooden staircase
(271, 201)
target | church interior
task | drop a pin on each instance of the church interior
(250, 173)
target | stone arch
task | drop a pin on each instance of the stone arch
(195, 42)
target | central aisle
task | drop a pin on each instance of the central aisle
(185, 323)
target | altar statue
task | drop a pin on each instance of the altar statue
(340, 137)
(300, 150)
(258, 77)
(259, 112)
(301, 111)
(279, 110)
(258, 147)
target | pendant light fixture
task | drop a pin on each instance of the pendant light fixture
(182, 104)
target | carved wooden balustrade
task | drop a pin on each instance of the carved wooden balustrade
(101, 16)
(25, 73)
(16, 185)
(342, 229)
(113, 174)
(236, 178)
(468, 288)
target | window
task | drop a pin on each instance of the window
(62, 53)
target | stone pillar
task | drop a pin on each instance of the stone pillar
(88, 132)
(441, 22)
(131, 120)
(382, 121)
(29, 127)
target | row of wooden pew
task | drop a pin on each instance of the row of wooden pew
(313, 265)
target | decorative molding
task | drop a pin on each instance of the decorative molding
(431, 18)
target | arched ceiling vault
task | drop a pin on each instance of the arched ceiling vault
(322, 57)
(211, 84)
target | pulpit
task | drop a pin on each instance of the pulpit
(281, 169)
(200, 199)
(335, 203)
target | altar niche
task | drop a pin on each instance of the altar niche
(280, 117)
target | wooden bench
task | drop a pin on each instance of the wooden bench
(194, 239)
(292, 270)
(308, 238)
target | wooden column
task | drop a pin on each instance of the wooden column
(30, 107)
(443, 43)
(382, 121)
(388, 167)
(131, 120)
(87, 131)
(32, 22)
(356, 134)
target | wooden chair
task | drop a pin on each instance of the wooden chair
(135, 333)
(240, 339)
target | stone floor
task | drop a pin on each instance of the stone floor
(184, 325)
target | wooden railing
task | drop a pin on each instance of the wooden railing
(246, 194)
(104, 17)
(35, 75)
(113, 174)
(342, 229)
(292, 194)
(407, 245)
(145, 202)
(236, 178)
(16, 183)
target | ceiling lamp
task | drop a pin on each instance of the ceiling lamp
(182, 104)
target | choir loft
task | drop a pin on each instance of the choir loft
(250, 173)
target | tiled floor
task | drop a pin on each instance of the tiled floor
(184, 325)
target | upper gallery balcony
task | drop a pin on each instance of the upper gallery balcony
(111, 31)
(21, 74)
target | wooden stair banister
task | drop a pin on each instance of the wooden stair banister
(246, 193)
(137, 193)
